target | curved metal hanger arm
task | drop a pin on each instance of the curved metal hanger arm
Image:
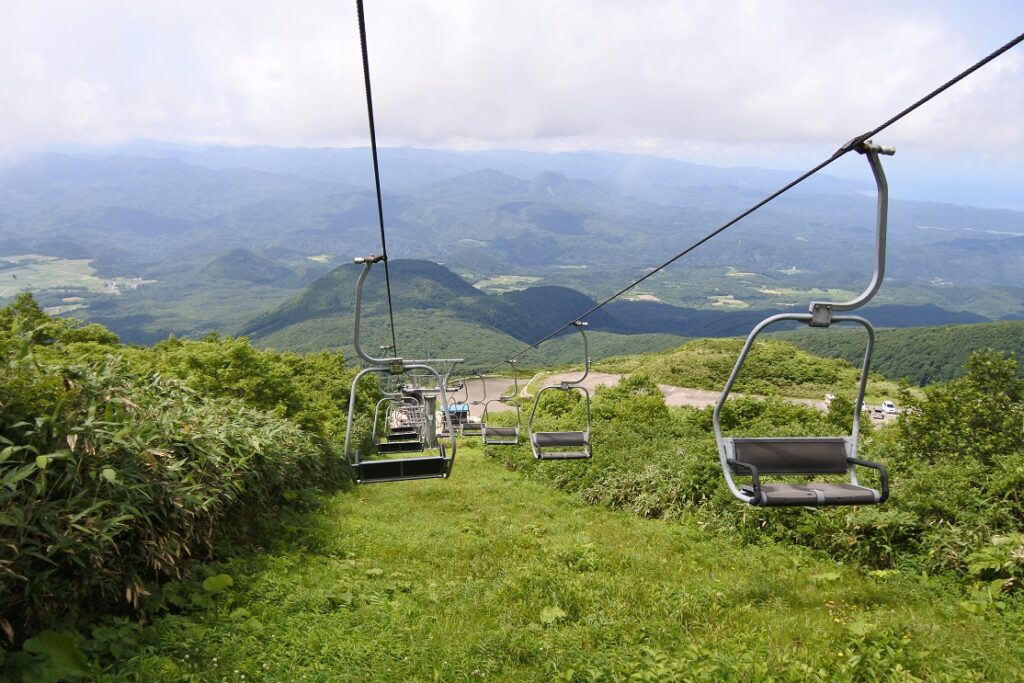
(579, 325)
(821, 311)
(515, 379)
(394, 364)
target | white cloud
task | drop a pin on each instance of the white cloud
(654, 75)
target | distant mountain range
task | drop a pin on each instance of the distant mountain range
(220, 235)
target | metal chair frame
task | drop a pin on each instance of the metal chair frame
(561, 441)
(811, 455)
(397, 469)
(504, 436)
(470, 428)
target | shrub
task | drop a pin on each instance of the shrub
(112, 477)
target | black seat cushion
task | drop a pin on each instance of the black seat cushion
(369, 471)
(814, 493)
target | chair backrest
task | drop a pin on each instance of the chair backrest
(500, 431)
(549, 439)
(793, 455)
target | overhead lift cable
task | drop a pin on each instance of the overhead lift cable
(376, 169)
(410, 425)
(838, 154)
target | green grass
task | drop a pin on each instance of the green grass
(491, 576)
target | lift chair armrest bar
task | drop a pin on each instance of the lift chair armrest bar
(755, 479)
(882, 472)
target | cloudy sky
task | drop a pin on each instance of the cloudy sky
(759, 82)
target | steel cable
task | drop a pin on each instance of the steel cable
(376, 169)
(839, 153)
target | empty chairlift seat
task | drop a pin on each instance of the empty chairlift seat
(500, 436)
(824, 458)
(472, 428)
(406, 438)
(817, 456)
(400, 469)
(403, 434)
(561, 445)
(564, 445)
(407, 425)
(809, 456)
(503, 436)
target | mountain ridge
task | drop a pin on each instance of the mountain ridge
(423, 289)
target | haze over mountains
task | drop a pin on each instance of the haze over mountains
(218, 236)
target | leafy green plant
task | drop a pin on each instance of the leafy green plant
(113, 478)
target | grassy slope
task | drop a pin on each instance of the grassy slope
(493, 575)
(771, 367)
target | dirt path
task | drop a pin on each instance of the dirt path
(674, 396)
(496, 386)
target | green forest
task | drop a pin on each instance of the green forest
(182, 512)
(921, 355)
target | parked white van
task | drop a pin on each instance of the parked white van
(889, 407)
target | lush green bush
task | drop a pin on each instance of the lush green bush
(113, 475)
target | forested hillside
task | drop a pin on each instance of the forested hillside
(773, 368)
(438, 312)
(922, 355)
(179, 241)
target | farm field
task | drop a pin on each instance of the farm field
(506, 283)
(36, 273)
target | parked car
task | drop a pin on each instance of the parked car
(877, 413)
(889, 407)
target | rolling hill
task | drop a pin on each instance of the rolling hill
(439, 313)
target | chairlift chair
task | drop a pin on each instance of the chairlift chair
(448, 421)
(397, 440)
(470, 428)
(817, 456)
(367, 471)
(494, 435)
(564, 445)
